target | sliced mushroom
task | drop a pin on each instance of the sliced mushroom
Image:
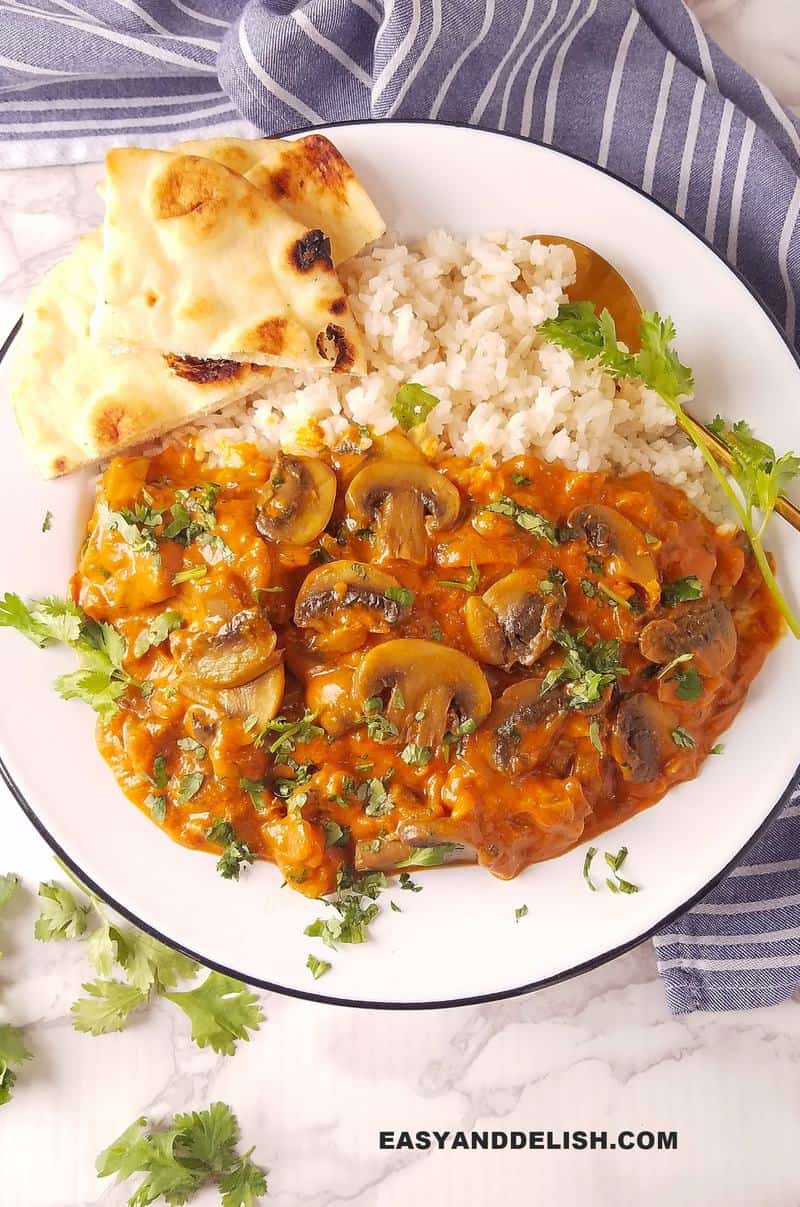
(640, 737)
(397, 496)
(433, 680)
(378, 597)
(515, 619)
(385, 854)
(261, 697)
(519, 711)
(296, 503)
(704, 628)
(616, 538)
(238, 652)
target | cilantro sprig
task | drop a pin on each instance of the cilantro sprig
(586, 669)
(101, 678)
(221, 1010)
(760, 474)
(194, 1150)
(13, 1052)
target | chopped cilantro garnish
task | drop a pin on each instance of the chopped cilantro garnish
(416, 756)
(587, 864)
(289, 733)
(681, 590)
(594, 735)
(318, 968)
(717, 749)
(160, 775)
(400, 595)
(47, 522)
(522, 912)
(188, 787)
(520, 480)
(412, 405)
(524, 517)
(407, 883)
(681, 737)
(255, 790)
(157, 631)
(235, 854)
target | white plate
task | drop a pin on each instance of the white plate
(458, 940)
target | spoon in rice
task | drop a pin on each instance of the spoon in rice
(601, 283)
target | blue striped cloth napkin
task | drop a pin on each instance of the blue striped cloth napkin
(633, 85)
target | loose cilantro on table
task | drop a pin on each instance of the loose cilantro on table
(412, 405)
(180, 1159)
(220, 1009)
(760, 474)
(13, 1052)
(47, 522)
(522, 912)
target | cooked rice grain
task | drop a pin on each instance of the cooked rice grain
(460, 317)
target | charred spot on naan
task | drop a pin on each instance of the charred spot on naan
(311, 250)
(338, 306)
(201, 370)
(328, 163)
(198, 189)
(116, 421)
(334, 346)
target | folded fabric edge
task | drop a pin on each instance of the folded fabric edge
(687, 992)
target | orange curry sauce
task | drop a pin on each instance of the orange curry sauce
(506, 784)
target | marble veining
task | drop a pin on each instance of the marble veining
(315, 1086)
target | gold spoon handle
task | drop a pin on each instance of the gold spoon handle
(783, 506)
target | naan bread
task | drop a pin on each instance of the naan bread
(309, 179)
(77, 401)
(199, 262)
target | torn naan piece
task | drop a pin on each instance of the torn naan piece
(199, 262)
(77, 401)
(309, 178)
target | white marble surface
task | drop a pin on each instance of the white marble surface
(315, 1086)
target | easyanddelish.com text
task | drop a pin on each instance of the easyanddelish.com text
(574, 1141)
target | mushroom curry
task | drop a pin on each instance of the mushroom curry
(372, 661)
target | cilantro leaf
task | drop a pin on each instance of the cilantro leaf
(317, 967)
(8, 886)
(524, 517)
(681, 590)
(178, 1161)
(106, 1008)
(221, 1011)
(13, 1053)
(412, 405)
(15, 614)
(243, 1185)
(157, 631)
(61, 917)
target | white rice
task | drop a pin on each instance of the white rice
(459, 316)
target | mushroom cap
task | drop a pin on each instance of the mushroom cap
(521, 707)
(615, 537)
(386, 476)
(640, 737)
(296, 502)
(239, 651)
(704, 628)
(261, 697)
(515, 619)
(432, 679)
(346, 584)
